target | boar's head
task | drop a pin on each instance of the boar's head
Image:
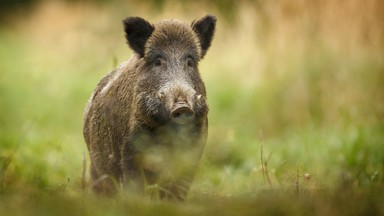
(169, 89)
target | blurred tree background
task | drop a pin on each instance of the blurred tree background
(303, 79)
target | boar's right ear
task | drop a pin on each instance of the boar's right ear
(137, 31)
(205, 29)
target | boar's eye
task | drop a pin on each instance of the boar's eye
(190, 61)
(155, 59)
(157, 62)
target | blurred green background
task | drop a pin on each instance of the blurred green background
(295, 88)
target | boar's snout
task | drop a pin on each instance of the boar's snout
(182, 113)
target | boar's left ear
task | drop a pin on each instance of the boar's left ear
(137, 31)
(205, 29)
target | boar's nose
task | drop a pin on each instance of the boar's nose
(182, 114)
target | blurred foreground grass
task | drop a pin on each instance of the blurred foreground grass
(297, 85)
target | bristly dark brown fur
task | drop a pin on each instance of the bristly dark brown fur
(129, 125)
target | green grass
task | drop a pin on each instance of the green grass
(296, 110)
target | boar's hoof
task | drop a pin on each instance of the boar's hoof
(182, 114)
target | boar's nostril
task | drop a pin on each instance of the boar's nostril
(182, 114)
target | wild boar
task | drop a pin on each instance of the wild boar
(146, 121)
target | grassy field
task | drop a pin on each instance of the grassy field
(296, 95)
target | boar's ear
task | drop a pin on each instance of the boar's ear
(137, 31)
(205, 29)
